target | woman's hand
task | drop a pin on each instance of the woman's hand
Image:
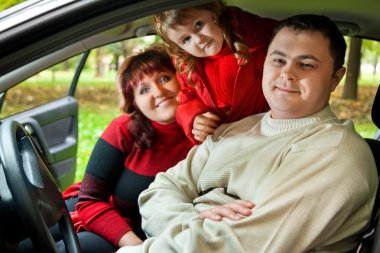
(204, 124)
(129, 239)
(234, 211)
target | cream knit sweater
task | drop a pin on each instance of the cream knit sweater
(313, 181)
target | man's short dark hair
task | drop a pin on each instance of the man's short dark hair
(319, 23)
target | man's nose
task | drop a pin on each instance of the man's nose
(288, 72)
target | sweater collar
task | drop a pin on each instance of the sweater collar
(223, 52)
(164, 128)
(271, 127)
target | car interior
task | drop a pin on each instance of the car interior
(371, 239)
(39, 145)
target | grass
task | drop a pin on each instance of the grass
(92, 123)
(87, 78)
(366, 130)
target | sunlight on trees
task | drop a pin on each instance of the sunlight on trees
(5, 4)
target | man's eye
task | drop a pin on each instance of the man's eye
(164, 79)
(278, 61)
(306, 65)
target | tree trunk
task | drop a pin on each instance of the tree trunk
(375, 66)
(350, 90)
(116, 61)
(99, 63)
(66, 65)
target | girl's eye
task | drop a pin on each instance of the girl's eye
(186, 40)
(198, 25)
(164, 79)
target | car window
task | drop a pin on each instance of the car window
(46, 86)
(97, 94)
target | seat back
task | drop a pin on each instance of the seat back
(375, 113)
(371, 239)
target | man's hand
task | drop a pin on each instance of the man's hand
(205, 124)
(234, 211)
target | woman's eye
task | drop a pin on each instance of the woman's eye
(164, 79)
(144, 90)
(198, 25)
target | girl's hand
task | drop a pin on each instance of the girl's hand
(129, 239)
(234, 211)
(205, 124)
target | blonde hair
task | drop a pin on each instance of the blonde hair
(185, 62)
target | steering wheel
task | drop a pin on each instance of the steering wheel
(34, 192)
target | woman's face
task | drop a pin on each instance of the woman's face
(156, 96)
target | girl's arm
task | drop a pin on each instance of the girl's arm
(190, 105)
(204, 125)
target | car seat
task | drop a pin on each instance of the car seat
(371, 239)
(375, 113)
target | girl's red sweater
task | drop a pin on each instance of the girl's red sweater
(221, 85)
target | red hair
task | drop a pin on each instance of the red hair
(152, 59)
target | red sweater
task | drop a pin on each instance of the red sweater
(221, 85)
(118, 172)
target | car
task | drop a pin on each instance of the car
(39, 142)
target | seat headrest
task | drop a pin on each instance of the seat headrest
(375, 113)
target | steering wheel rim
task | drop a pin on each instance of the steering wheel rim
(34, 191)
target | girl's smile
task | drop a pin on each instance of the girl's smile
(200, 36)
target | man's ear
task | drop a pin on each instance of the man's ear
(337, 77)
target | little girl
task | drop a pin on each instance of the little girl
(219, 53)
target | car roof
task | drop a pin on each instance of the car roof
(28, 10)
(359, 18)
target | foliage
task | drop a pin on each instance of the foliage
(98, 105)
(92, 123)
(5, 4)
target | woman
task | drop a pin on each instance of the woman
(142, 142)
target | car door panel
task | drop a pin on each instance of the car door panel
(55, 127)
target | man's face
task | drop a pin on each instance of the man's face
(298, 74)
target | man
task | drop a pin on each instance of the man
(311, 176)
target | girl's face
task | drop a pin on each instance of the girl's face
(155, 96)
(201, 36)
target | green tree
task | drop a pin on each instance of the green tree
(116, 49)
(5, 4)
(371, 50)
(350, 89)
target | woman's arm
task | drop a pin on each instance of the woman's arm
(103, 170)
